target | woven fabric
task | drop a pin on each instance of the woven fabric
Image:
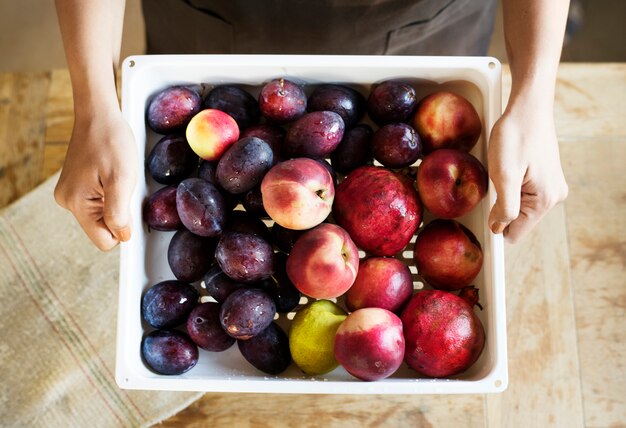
(58, 304)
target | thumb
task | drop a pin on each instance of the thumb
(117, 196)
(507, 206)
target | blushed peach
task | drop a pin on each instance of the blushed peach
(324, 262)
(369, 344)
(298, 194)
(211, 132)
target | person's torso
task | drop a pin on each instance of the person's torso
(322, 26)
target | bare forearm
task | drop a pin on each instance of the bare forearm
(91, 32)
(523, 154)
(534, 32)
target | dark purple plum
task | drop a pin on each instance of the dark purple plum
(206, 171)
(396, 145)
(236, 102)
(244, 164)
(354, 149)
(284, 238)
(205, 329)
(245, 257)
(343, 100)
(171, 160)
(272, 134)
(282, 101)
(247, 312)
(268, 351)
(169, 352)
(171, 109)
(168, 303)
(279, 286)
(201, 207)
(391, 101)
(190, 256)
(244, 222)
(159, 211)
(219, 285)
(252, 201)
(315, 134)
(230, 200)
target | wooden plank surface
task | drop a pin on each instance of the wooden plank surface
(544, 386)
(280, 410)
(565, 286)
(23, 98)
(596, 219)
(593, 153)
(591, 100)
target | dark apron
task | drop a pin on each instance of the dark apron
(372, 27)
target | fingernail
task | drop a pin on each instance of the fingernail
(498, 227)
(123, 234)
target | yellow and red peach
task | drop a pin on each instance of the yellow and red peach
(211, 132)
(323, 262)
(369, 344)
(298, 194)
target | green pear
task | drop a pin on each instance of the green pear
(312, 336)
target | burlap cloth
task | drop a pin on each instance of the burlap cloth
(58, 303)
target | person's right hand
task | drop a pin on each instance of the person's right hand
(98, 177)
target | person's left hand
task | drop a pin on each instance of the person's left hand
(525, 168)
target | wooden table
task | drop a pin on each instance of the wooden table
(566, 286)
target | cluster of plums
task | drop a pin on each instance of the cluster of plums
(215, 154)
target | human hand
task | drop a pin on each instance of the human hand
(525, 168)
(98, 177)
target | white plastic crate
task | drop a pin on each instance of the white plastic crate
(144, 258)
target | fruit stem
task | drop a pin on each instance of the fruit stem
(470, 295)
(281, 84)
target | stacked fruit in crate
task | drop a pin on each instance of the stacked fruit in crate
(320, 178)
